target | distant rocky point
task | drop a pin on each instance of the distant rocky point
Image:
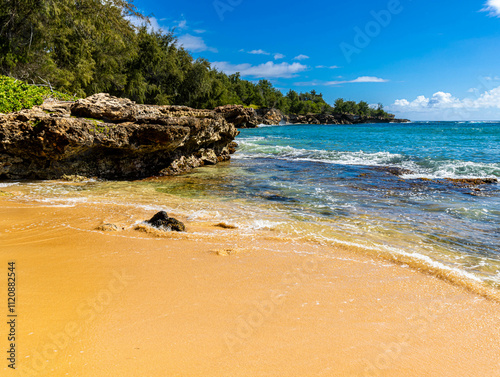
(243, 117)
(341, 119)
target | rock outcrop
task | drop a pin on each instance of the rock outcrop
(244, 117)
(238, 115)
(108, 137)
(161, 220)
(270, 116)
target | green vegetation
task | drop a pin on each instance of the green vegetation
(362, 108)
(89, 46)
(16, 95)
(100, 127)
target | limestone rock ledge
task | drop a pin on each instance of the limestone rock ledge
(113, 138)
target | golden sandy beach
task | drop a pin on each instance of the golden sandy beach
(212, 303)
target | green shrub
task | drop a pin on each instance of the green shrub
(251, 106)
(16, 95)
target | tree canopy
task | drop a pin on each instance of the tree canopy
(84, 47)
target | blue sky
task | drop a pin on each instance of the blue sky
(423, 59)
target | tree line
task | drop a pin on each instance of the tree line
(84, 47)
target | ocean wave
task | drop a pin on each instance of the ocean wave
(258, 224)
(438, 169)
(479, 214)
(248, 139)
(454, 274)
(252, 150)
(270, 125)
(7, 184)
(427, 168)
(60, 202)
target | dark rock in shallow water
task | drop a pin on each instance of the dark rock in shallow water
(175, 225)
(158, 219)
(161, 220)
(394, 170)
(277, 198)
(467, 182)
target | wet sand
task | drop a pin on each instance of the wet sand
(220, 303)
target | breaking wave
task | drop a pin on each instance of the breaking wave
(421, 168)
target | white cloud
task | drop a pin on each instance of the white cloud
(489, 99)
(191, 42)
(266, 70)
(152, 24)
(492, 6)
(278, 56)
(492, 78)
(362, 79)
(259, 52)
(188, 41)
(444, 101)
(182, 24)
(328, 67)
(136, 21)
(368, 79)
(155, 25)
(194, 43)
(301, 57)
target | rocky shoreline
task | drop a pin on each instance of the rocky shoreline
(113, 138)
(340, 119)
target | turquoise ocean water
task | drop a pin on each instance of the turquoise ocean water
(337, 178)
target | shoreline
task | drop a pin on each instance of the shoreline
(218, 302)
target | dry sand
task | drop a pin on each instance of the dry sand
(129, 303)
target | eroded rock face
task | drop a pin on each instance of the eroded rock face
(243, 117)
(270, 116)
(240, 116)
(308, 119)
(109, 137)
